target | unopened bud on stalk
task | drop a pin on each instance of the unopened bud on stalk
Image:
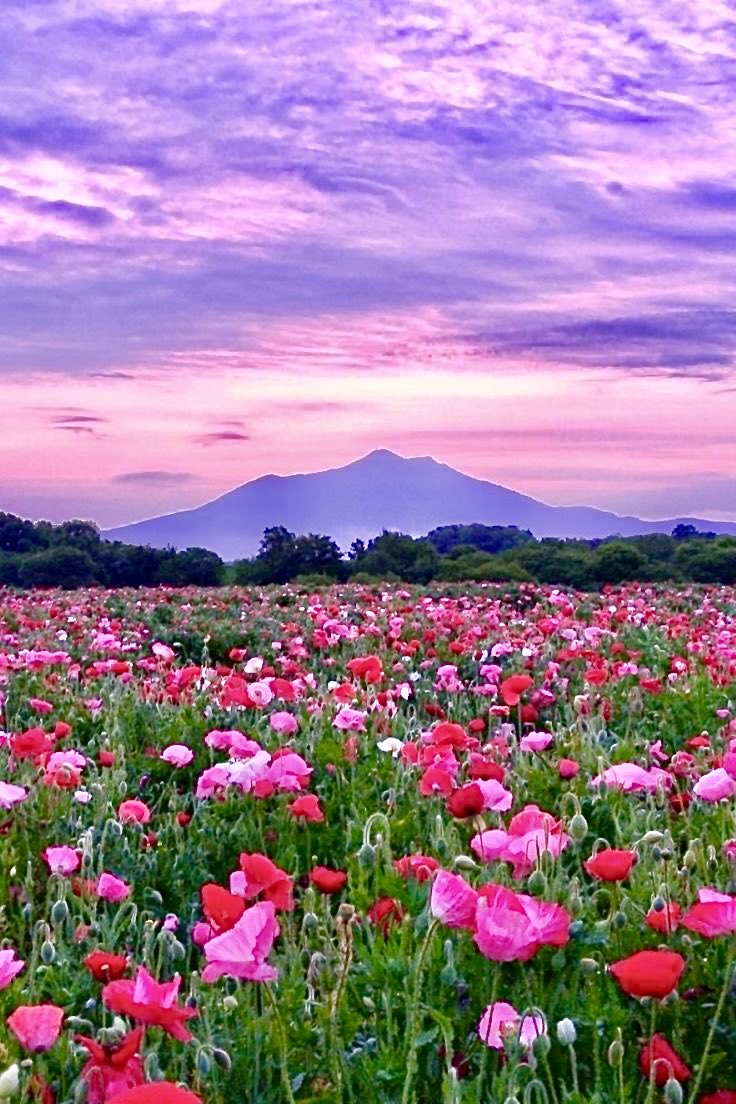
(619, 919)
(309, 923)
(229, 1003)
(203, 1064)
(566, 1032)
(222, 1059)
(369, 1005)
(541, 1046)
(659, 904)
(48, 952)
(9, 1081)
(578, 828)
(59, 912)
(616, 1051)
(673, 1092)
(537, 883)
(589, 965)
(464, 862)
(367, 856)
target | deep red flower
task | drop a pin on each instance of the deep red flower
(366, 667)
(150, 1002)
(384, 913)
(667, 1061)
(418, 867)
(110, 1071)
(720, 1096)
(435, 780)
(327, 880)
(485, 769)
(611, 865)
(666, 920)
(466, 802)
(104, 966)
(222, 908)
(158, 1092)
(513, 687)
(649, 973)
(30, 744)
(266, 881)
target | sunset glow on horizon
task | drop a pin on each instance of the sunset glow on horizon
(270, 240)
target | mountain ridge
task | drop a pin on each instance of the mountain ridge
(380, 490)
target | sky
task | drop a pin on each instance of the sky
(251, 236)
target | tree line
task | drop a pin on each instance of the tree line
(73, 554)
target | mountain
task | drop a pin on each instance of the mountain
(379, 491)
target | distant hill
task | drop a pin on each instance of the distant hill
(379, 491)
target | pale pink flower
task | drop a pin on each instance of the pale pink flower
(111, 888)
(503, 931)
(495, 797)
(241, 952)
(631, 777)
(536, 741)
(288, 772)
(350, 720)
(9, 967)
(260, 693)
(212, 780)
(530, 833)
(11, 795)
(501, 1021)
(178, 755)
(163, 651)
(453, 901)
(61, 860)
(36, 1026)
(716, 785)
(283, 722)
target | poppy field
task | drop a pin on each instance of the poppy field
(397, 845)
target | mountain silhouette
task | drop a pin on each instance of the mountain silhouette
(379, 491)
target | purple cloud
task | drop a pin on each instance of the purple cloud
(220, 436)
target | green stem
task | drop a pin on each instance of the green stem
(285, 1078)
(714, 1023)
(653, 1066)
(413, 1017)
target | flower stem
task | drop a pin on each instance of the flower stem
(285, 1078)
(714, 1023)
(413, 1017)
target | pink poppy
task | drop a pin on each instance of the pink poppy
(530, 833)
(134, 811)
(453, 901)
(10, 966)
(630, 777)
(283, 722)
(716, 785)
(177, 755)
(241, 952)
(110, 888)
(11, 795)
(536, 741)
(36, 1026)
(61, 860)
(713, 915)
(501, 1021)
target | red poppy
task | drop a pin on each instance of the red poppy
(435, 780)
(265, 880)
(658, 1052)
(484, 769)
(720, 1096)
(665, 920)
(30, 744)
(104, 966)
(222, 908)
(568, 768)
(106, 758)
(649, 973)
(466, 802)
(150, 1002)
(307, 807)
(327, 880)
(418, 867)
(366, 667)
(448, 733)
(158, 1092)
(112, 1070)
(611, 865)
(513, 687)
(384, 913)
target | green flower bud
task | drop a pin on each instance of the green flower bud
(616, 1053)
(578, 828)
(464, 862)
(48, 952)
(222, 1059)
(589, 965)
(619, 919)
(203, 1064)
(310, 923)
(537, 883)
(59, 911)
(369, 1005)
(673, 1092)
(229, 1003)
(367, 856)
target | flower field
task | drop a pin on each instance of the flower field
(402, 846)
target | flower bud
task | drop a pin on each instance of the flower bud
(367, 856)
(578, 828)
(673, 1092)
(616, 1053)
(310, 922)
(464, 862)
(537, 883)
(59, 911)
(48, 952)
(9, 1081)
(229, 1002)
(203, 1064)
(369, 1005)
(222, 1059)
(589, 965)
(541, 1046)
(566, 1032)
